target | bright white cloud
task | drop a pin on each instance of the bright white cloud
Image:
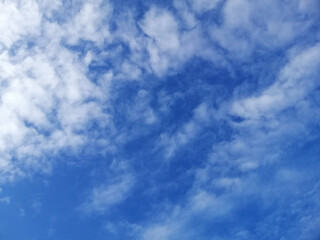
(18, 19)
(161, 26)
(168, 43)
(46, 98)
(89, 24)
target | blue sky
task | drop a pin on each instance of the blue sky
(159, 120)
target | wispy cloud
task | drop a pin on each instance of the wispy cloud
(114, 190)
(104, 196)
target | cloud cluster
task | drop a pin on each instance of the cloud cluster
(67, 69)
(47, 100)
(265, 126)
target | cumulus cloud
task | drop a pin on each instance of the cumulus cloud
(19, 19)
(89, 24)
(46, 98)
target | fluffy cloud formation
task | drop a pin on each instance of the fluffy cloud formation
(46, 98)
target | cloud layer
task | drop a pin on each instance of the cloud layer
(183, 120)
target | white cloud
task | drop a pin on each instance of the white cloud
(162, 27)
(236, 168)
(186, 132)
(159, 43)
(252, 25)
(185, 13)
(89, 24)
(43, 97)
(18, 19)
(175, 221)
(207, 203)
(102, 197)
(294, 83)
(47, 101)
(49, 6)
(169, 44)
(174, 141)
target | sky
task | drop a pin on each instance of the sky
(159, 120)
